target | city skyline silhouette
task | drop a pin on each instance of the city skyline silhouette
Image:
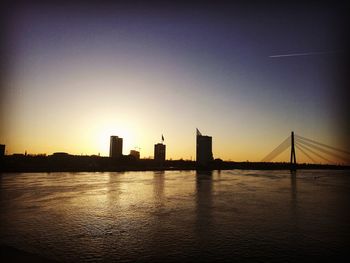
(77, 74)
(180, 131)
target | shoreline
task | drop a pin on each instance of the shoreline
(73, 163)
(343, 168)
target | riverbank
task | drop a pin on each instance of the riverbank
(73, 163)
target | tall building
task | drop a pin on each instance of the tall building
(159, 152)
(2, 150)
(204, 154)
(116, 147)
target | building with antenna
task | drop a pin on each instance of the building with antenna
(204, 154)
(116, 147)
(160, 151)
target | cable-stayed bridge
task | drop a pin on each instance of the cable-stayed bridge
(314, 151)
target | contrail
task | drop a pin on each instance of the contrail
(303, 54)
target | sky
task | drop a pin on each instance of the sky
(76, 74)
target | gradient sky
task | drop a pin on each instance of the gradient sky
(77, 74)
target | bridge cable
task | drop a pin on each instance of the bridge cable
(278, 150)
(305, 153)
(323, 150)
(315, 153)
(322, 144)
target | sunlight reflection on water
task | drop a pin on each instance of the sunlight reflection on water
(177, 215)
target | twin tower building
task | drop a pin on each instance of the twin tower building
(204, 154)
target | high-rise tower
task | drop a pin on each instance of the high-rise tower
(2, 150)
(204, 154)
(116, 147)
(159, 152)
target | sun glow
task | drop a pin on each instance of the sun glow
(122, 131)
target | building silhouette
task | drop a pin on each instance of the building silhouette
(159, 152)
(204, 154)
(116, 147)
(135, 154)
(2, 150)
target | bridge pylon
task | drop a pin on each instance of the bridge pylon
(293, 159)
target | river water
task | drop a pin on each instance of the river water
(178, 216)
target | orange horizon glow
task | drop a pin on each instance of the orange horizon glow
(100, 146)
(73, 80)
